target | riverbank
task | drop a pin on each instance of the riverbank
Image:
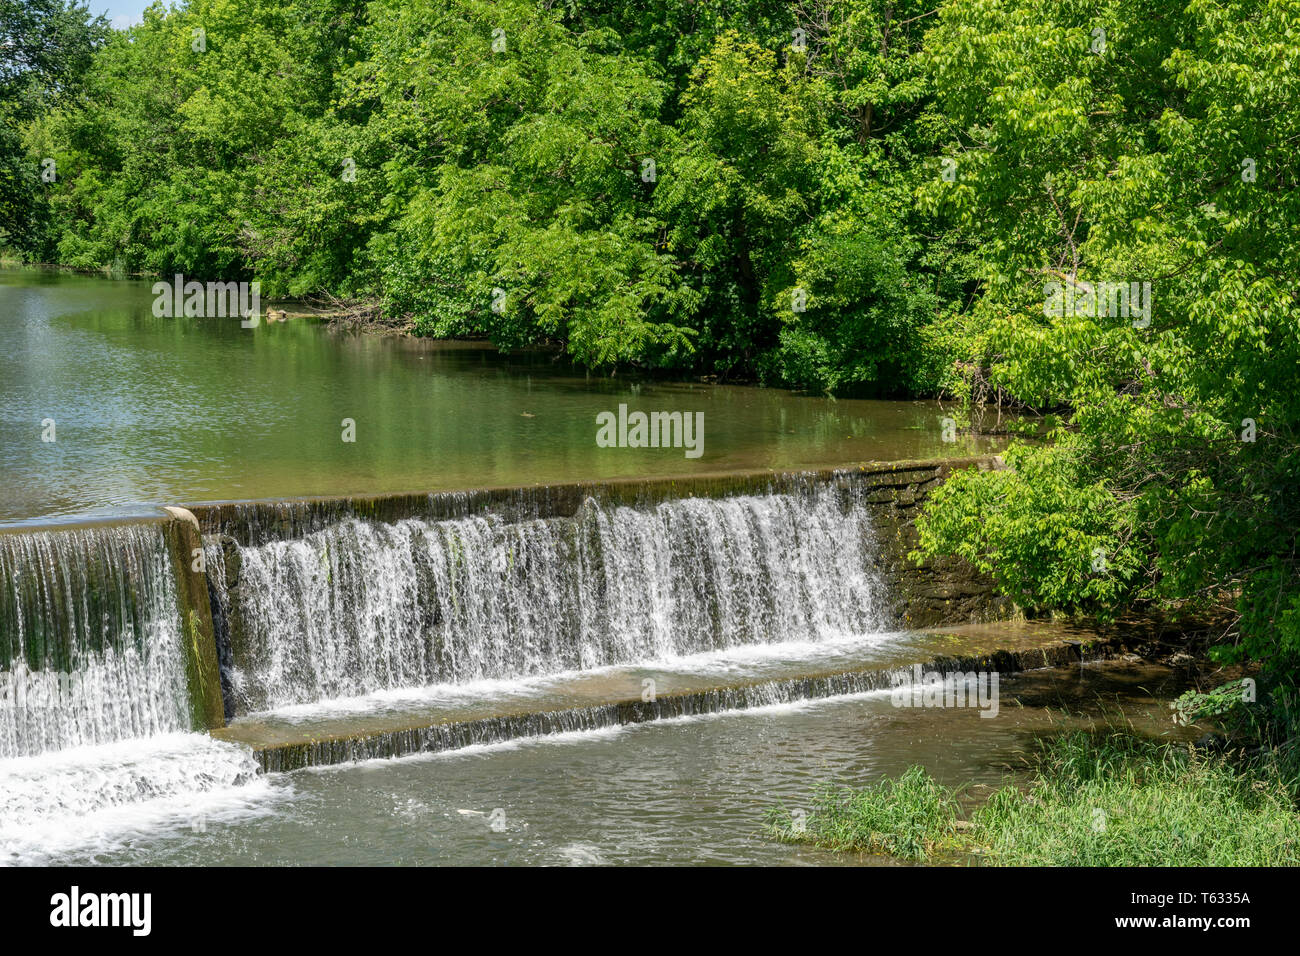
(1113, 794)
(1109, 798)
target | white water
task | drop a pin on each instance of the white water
(93, 757)
(94, 700)
(90, 639)
(364, 607)
(733, 664)
(101, 798)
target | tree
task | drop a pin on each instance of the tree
(45, 47)
(1128, 143)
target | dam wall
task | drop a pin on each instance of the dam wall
(123, 629)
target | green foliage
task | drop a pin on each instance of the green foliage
(537, 192)
(212, 154)
(1261, 716)
(1129, 163)
(45, 48)
(1050, 534)
(866, 198)
(639, 190)
(740, 181)
(1114, 800)
(789, 202)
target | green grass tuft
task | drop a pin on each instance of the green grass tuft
(1113, 800)
(905, 818)
(1122, 800)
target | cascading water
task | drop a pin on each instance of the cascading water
(363, 606)
(94, 698)
(90, 639)
(95, 659)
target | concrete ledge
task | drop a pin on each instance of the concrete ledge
(432, 736)
(207, 708)
(257, 521)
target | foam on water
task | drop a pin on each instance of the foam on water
(96, 799)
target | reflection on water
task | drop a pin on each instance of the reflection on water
(181, 410)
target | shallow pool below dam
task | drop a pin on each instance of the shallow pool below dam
(686, 791)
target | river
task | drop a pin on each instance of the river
(620, 680)
(174, 411)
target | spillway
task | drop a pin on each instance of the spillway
(363, 606)
(90, 638)
(337, 630)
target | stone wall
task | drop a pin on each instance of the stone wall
(932, 593)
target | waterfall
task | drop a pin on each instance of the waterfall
(363, 605)
(90, 638)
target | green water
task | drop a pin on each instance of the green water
(158, 410)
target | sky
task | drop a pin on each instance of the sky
(122, 13)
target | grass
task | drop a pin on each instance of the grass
(1114, 799)
(906, 818)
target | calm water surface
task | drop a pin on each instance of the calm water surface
(151, 410)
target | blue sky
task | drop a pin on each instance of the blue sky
(121, 12)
